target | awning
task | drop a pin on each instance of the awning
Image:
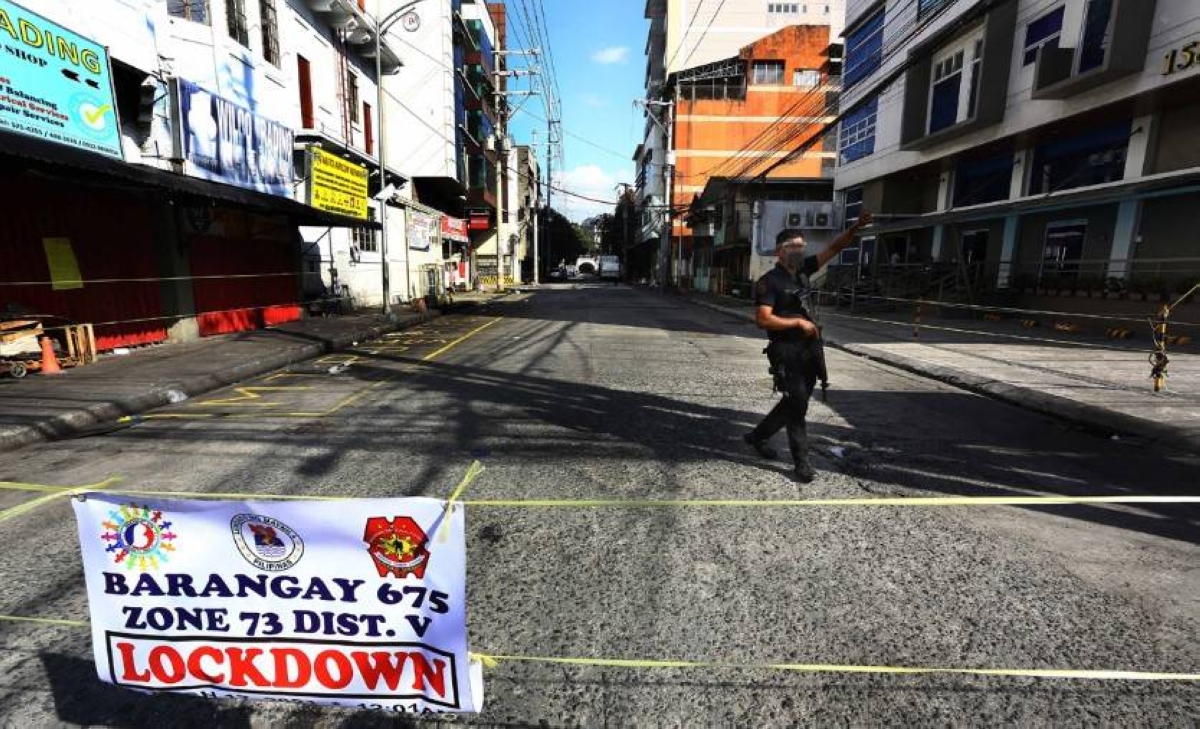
(51, 158)
(1170, 183)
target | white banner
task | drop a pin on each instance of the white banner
(359, 603)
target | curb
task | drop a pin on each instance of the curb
(76, 422)
(1090, 417)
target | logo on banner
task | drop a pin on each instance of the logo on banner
(138, 537)
(397, 546)
(266, 543)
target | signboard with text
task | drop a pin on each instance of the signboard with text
(455, 229)
(277, 600)
(422, 230)
(222, 141)
(55, 85)
(336, 185)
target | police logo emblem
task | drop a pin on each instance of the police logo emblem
(268, 544)
(138, 537)
(397, 546)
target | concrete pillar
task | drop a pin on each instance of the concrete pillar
(178, 301)
(1141, 144)
(1008, 250)
(945, 200)
(1125, 237)
(1022, 159)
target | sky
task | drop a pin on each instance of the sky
(597, 46)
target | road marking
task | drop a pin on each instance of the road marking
(490, 661)
(456, 342)
(250, 396)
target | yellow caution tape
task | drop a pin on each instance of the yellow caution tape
(45, 621)
(473, 472)
(52, 493)
(492, 660)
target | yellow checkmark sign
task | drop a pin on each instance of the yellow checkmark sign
(96, 114)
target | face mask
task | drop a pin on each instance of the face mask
(794, 259)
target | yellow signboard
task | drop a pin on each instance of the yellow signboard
(336, 185)
(64, 268)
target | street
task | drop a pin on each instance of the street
(583, 391)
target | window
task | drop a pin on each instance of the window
(352, 96)
(235, 17)
(854, 203)
(864, 50)
(368, 129)
(304, 76)
(1064, 248)
(806, 78)
(1097, 32)
(925, 7)
(193, 10)
(978, 181)
(974, 245)
(1042, 32)
(1093, 158)
(783, 7)
(948, 104)
(367, 239)
(270, 31)
(766, 73)
(857, 136)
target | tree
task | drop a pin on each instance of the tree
(563, 241)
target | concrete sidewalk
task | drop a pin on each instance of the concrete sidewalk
(1103, 385)
(39, 408)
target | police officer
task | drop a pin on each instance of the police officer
(784, 310)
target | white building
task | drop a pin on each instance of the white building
(1051, 145)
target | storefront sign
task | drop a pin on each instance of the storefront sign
(422, 230)
(276, 600)
(479, 221)
(55, 85)
(455, 229)
(336, 185)
(225, 142)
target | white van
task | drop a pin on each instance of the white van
(610, 268)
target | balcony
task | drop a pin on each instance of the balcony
(959, 84)
(346, 15)
(1112, 43)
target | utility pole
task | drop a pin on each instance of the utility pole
(549, 175)
(668, 185)
(501, 102)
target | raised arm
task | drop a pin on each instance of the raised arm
(839, 243)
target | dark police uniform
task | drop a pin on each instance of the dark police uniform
(795, 358)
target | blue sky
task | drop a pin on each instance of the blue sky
(597, 47)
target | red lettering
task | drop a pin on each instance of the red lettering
(130, 674)
(283, 677)
(344, 668)
(241, 668)
(159, 668)
(197, 670)
(436, 676)
(374, 666)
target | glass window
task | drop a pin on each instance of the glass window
(864, 50)
(924, 7)
(979, 181)
(856, 139)
(767, 73)
(367, 239)
(1064, 248)
(952, 97)
(235, 19)
(1042, 32)
(352, 96)
(1092, 158)
(270, 31)
(1097, 32)
(193, 10)
(806, 78)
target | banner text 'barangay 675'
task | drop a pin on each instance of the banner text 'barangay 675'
(360, 605)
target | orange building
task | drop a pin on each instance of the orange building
(734, 119)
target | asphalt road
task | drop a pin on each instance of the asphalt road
(583, 391)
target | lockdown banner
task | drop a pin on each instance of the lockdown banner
(358, 603)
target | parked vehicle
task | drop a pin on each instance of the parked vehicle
(610, 268)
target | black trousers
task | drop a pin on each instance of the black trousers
(795, 378)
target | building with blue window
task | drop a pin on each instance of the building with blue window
(1020, 149)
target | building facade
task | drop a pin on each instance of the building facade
(1037, 151)
(719, 80)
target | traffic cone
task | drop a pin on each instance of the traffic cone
(50, 364)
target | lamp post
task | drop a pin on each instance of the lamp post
(382, 26)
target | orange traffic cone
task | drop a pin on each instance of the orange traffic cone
(50, 364)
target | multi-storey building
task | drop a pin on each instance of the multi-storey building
(1030, 148)
(180, 152)
(725, 72)
(525, 200)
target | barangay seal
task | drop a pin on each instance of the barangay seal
(138, 537)
(397, 546)
(266, 543)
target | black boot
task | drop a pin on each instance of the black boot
(763, 448)
(798, 444)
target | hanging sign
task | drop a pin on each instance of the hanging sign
(455, 229)
(226, 142)
(422, 230)
(336, 185)
(276, 600)
(55, 84)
